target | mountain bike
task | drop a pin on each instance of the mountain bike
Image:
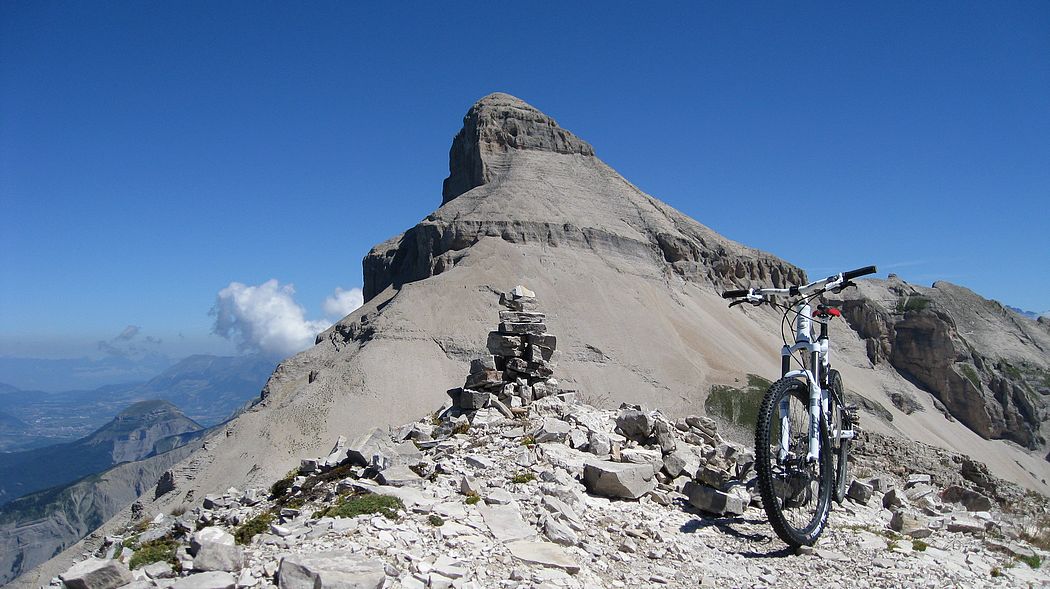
(804, 426)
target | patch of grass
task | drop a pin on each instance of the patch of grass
(523, 477)
(472, 499)
(461, 428)
(1010, 370)
(436, 520)
(1032, 561)
(354, 505)
(1037, 532)
(435, 419)
(971, 375)
(155, 551)
(142, 526)
(737, 406)
(180, 510)
(919, 545)
(528, 441)
(892, 545)
(279, 488)
(907, 304)
(257, 525)
(997, 572)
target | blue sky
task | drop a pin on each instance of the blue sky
(153, 153)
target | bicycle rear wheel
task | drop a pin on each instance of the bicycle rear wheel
(796, 493)
(840, 454)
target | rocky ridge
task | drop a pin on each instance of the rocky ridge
(562, 494)
(987, 367)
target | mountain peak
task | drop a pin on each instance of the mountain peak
(496, 124)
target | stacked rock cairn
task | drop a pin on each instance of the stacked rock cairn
(519, 368)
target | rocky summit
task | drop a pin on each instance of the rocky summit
(515, 483)
(631, 288)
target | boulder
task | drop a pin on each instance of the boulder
(545, 554)
(635, 424)
(95, 573)
(208, 580)
(909, 524)
(859, 492)
(551, 430)
(617, 479)
(214, 556)
(717, 502)
(330, 570)
(362, 449)
(971, 500)
(210, 535)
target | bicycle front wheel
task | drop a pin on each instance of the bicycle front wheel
(796, 493)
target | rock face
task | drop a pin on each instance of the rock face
(496, 188)
(498, 123)
(988, 366)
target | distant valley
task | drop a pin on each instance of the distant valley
(208, 389)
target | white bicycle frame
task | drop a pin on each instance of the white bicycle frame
(820, 363)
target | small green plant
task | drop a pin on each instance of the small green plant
(919, 545)
(435, 418)
(997, 572)
(142, 526)
(461, 428)
(472, 499)
(907, 304)
(180, 510)
(436, 520)
(528, 441)
(523, 477)
(971, 375)
(281, 487)
(155, 551)
(354, 505)
(257, 525)
(1033, 561)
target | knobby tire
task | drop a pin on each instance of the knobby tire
(805, 486)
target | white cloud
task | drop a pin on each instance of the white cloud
(343, 302)
(264, 318)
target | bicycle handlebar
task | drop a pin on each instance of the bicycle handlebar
(858, 272)
(837, 281)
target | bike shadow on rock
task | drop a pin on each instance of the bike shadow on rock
(729, 525)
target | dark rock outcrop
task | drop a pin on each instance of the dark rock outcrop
(962, 348)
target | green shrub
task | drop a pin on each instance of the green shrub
(436, 520)
(971, 375)
(919, 545)
(737, 406)
(281, 487)
(472, 499)
(907, 304)
(523, 477)
(1032, 561)
(528, 441)
(155, 551)
(257, 525)
(354, 505)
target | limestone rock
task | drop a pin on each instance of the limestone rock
(615, 479)
(96, 574)
(208, 580)
(545, 554)
(330, 570)
(715, 501)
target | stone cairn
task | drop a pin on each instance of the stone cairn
(519, 368)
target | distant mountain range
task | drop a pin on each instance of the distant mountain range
(209, 389)
(130, 436)
(1029, 314)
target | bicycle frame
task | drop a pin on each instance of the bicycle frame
(819, 354)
